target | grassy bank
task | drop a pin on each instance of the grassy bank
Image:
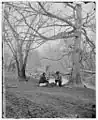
(27, 100)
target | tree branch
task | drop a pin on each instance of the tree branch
(88, 71)
(54, 16)
(55, 25)
(70, 6)
(61, 35)
(88, 40)
(54, 59)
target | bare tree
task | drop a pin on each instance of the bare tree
(75, 27)
(39, 31)
(17, 35)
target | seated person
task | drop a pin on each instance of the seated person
(43, 79)
(58, 78)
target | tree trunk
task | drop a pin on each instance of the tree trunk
(21, 64)
(21, 72)
(75, 78)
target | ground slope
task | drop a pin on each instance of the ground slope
(27, 100)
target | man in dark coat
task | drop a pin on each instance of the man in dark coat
(43, 79)
(58, 78)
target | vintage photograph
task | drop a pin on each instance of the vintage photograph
(49, 59)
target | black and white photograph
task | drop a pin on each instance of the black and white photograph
(48, 59)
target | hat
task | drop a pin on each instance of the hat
(57, 72)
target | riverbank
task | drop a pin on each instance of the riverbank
(27, 100)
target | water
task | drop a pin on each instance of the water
(52, 80)
(64, 80)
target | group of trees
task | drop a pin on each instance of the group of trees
(28, 25)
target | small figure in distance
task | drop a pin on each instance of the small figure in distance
(43, 79)
(58, 78)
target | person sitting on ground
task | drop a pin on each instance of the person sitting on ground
(43, 78)
(58, 78)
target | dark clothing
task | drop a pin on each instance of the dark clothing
(58, 79)
(43, 79)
